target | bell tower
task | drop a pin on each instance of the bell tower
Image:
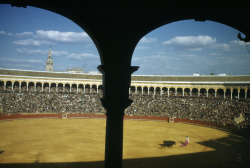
(49, 62)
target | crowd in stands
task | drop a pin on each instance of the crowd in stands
(218, 110)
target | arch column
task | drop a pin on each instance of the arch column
(12, 86)
(56, 87)
(245, 93)
(49, 87)
(63, 87)
(42, 86)
(4, 86)
(191, 92)
(148, 89)
(97, 86)
(175, 93)
(199, 92)
(77, 89)
(224, 94)
(141, 90)
(168, 92)
(238, 89)
(135, 89)
(183, 93)
(215, 92)
(27, 86)
(207, 92)
(34, 86)
(129, 91)
(83, 88)
(20, 83)
(115, 100)
(231, 89)
(154, 90)
(70, 88)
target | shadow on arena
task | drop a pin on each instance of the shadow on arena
(224, 155)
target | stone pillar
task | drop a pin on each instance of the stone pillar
(231, 94)
(215, 93)
(245, 93)
(135, 89)
(4, 86)
(77, 89)
(83, 88)
(90, 88)
(148, 90)
(64, 87)
(161, 91)
(56, 87)
(70, 87)
(129, 91)
(175, 92)
(207, 92)
(199, 92)
(20, 86)
(42, 86)
(141, 90)
(27, 86)
(154, 90)
(238, 93)
(35, 87)
(183, 94)
(224, 93)
(168, 92)
(190, 92)
(116, 83)
(12, 86)
(49, 87)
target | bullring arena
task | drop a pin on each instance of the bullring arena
(56, 120)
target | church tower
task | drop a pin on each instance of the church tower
(49, 62)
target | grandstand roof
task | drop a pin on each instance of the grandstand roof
(148, 78)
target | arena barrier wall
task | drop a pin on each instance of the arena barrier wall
(232, 129)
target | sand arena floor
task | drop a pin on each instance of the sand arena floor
(80, 143)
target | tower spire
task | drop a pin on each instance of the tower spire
(49, 61)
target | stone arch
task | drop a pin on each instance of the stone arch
(38, 86)
(195, 92)
(220, 93)
(53, 87)
(80, 88)
(171, 91)
(165, 91)
(186, 91)
(179, 92)
(203, 92)
(73, 88)
(132, 90)
(60, 87)
(1, 85)
(94, 88)
(87, 88)
(100, 89)
(23, 86)
(31, 86)
(67, 87)
(46, 86)
(8, 86)
(16, 86)
(242, 93)
(228, 93)
(211, 92)
(235, 93)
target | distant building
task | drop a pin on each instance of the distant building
(49, 62)
(75, 70)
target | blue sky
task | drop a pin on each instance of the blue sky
(179, 48)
